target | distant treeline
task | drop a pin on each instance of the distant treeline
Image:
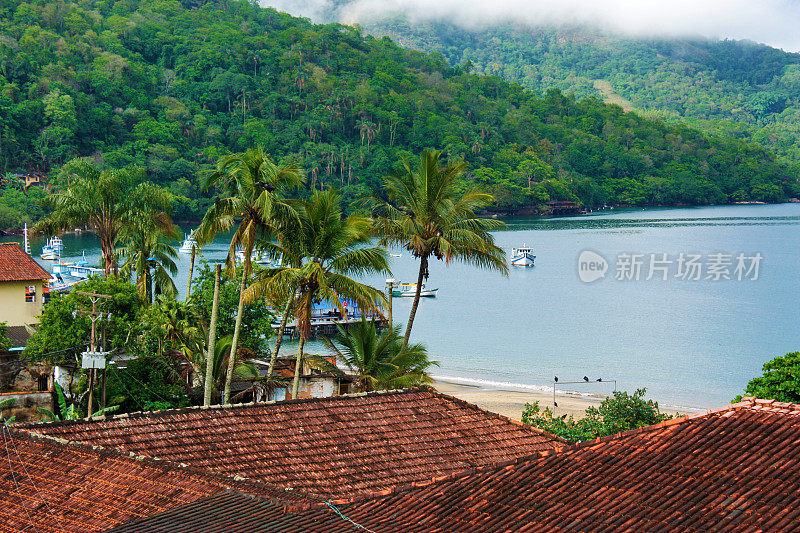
(170, 87)
(734, 88)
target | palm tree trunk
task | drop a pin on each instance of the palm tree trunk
(212, 338)
(298, 367)
(279, 339)
(423, 264)
(191, 271)
(236, 329)
(107, 250)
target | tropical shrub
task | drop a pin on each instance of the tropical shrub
(619, 412)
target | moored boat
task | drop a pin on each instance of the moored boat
(410, 289)
(522, 256)
(189, 244)
(53, 249)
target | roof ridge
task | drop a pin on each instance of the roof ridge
(746, 402)
(566, 449)
(192, 408)
(496, 415)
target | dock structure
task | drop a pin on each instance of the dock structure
(328, 327)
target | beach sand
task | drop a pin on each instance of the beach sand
(512, 403)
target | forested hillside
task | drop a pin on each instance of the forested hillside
(737, 88)
(154, 84)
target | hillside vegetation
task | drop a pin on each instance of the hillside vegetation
(170, 87)
(738, 88)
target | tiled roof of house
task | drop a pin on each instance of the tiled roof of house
(731, 469)
(50, 485)
(340, 446)
(16, 265)
(18, 335)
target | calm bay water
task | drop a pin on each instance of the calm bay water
(690, 343)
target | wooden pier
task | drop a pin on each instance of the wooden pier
(327, 327)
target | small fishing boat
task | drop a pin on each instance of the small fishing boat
(189, 244)
(395, 255)
(52, 250)
(522, 257)
(410, 289)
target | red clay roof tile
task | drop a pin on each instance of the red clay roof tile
(728, 469)
(340, 446)
(16, 265)
(49, 485)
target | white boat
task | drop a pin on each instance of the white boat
(257, 256)
(189, 244)
(395, 255)
(62, 268)
(52, 250)
(83, 271)
(522, 257)
(410, 289)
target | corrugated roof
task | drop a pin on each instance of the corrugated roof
(16, 265)
(340, 446)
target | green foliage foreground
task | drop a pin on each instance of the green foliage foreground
(781, 380)
(619, 412)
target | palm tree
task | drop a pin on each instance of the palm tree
(331, 249)
(381, 361)
(103, 201)
(429, 213)
(252, 185)
(148, 254)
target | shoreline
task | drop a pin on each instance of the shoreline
(510, 402)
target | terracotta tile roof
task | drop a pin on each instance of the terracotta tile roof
(239, 513)
(340, 446)
(16, 265)
(49, 485)
(731, 469)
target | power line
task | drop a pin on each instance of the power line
(25, 469)
(343, 517)
(14, 478)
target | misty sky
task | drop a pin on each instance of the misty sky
(774, 22)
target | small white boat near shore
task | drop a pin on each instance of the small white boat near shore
(522, 257)
(410, 289)
(189, 244)
(53, 249)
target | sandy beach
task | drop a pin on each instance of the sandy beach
(511, 403)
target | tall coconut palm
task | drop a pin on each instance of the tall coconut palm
(252, 186)
(331, 249)
(428, 212)
(101, 200)
(148, 254)
(381, 361)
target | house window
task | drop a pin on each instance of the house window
(30, 293)
(45, 294)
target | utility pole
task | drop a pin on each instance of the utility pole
(93, 359)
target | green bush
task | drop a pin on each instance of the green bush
(620, 412)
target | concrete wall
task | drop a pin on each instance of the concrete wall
(25, 404)
(14, 309)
